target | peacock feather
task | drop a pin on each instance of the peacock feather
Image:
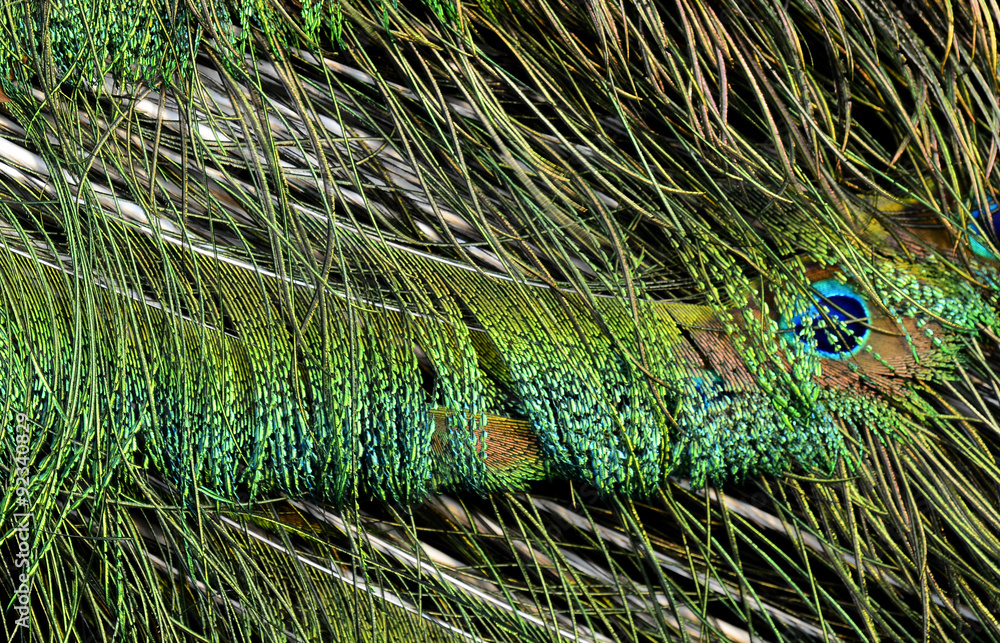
(515, 320)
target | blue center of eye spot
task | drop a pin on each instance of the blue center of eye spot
(989, 220)
(846, 331)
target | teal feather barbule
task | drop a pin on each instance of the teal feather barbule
(234, 402)
(517, 320)
(240, 393)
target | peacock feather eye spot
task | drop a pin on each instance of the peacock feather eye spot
(990, 221)
(846, 331)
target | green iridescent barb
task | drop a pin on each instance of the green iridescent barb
(499, 321)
